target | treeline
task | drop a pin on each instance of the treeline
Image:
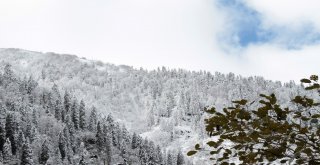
(41, 126)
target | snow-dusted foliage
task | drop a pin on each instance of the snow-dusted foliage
(38, 126)
(166, 106)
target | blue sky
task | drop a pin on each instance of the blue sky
(246, 22)
(247, 37)
(249, 29)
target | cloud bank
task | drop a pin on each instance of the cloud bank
(277, 40)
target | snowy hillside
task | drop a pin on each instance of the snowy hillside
(164, 105)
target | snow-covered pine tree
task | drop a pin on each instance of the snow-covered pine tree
(75, 114)
(115, 135)
(150, 117)
(158, 155)
(93, 119)
(125, 135)
(7, 150)
(68, 143)
(49, 103)
(151, 153)
(180, 158)
(20, 142)
(62, 146)
(71, 133)
(82, 115)
(67, 101)
(10, 132)
(119, 134)
(123, 149)
(109, 151)
(30, 131)
(8, 75)
(99, 138)
(44, 153)
(134, 144)
(139, 141)
(3, 113)
(27, 154)
(57, 110)
(143, 157)
(35, 117)
(2, 135)
(169, 158)
(31, 85)
(55, 92)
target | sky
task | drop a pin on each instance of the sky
(277, 39)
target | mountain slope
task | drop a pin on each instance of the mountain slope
(164, 105)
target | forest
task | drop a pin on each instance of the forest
(164, 108)
(40, 126)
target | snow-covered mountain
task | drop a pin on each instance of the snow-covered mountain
(163, 105)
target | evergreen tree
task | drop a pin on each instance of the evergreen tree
(30, 131)
(134, 144)
(109, 149)
(8, 75)
(143, 155)
(63, 115)
(27, 155)
(21, 140)
(75, 115)
(44, 153)
(100, 138)
(125, 135)
(180, 158)
(56, 92)
(3, 113)
(119, 134)
(150, 117)
(50, 106)
(71, 133)
(110, 120)
(159, 157)
(67, 101)
(122, 147)
(93, 119)
(82, 115)
(2, 135)
(35, 117)
(169, 158)
(115, 135)
(67, 142)
(139, 141)
(10, 132)
(31, 85)
(43, 74)
(57, 110)
(7, 151)
(151, 153)
(62, 146)
(23, 86)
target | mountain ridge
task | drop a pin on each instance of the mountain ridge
(165, 105)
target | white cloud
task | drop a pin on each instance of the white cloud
(152, 33)
(293, 13)
(148, 33)
(277, 63)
